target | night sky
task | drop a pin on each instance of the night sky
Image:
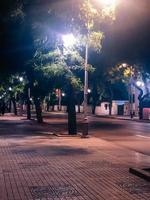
(128, 39)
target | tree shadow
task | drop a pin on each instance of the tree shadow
(52, 151)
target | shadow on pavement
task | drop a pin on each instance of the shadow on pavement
(52, 151)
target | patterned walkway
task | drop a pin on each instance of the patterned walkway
(47, 167)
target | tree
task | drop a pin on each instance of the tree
(134, 76)
(59, 66)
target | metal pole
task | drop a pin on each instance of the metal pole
(85, 128)
(28, 104)
(131, 95)
(86, 82)
(29, 93)
(85, 106)
(59, 99)
(131, 102)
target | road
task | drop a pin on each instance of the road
(126, 133)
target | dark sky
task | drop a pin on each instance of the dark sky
(128, 38)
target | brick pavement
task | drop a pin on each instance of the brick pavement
(46, 167)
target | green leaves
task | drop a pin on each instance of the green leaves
(88, 14)
(53, 70)
(95, 40)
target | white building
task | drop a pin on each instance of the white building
(119, 107)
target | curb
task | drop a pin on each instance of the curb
(111, 117)
(142, 173)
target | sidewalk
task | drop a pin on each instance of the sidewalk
(40, 167)
(123, 118)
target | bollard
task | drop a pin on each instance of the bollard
(85, 128)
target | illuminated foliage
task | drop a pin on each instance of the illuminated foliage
(91, 17)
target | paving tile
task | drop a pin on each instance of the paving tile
(58, 168)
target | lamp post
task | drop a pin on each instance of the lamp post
(132, 95)
(86, 90)
(131, 99)
(85, 106)
(21, 79)
(105, 4)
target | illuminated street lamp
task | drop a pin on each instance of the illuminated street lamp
(21, 79)
(124, 64)
(140, 84)
(68, 40)
(89, 91)
(63, 94)
(105, 4)
(10, 89)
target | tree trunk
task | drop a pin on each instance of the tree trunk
(79, 111)
(28, 109)
(21, 109)
(78, 103)
(111, 97)
(38, 110)
(53, 107)
(93, 108)
(94, 98)
(14, 105)
(140, 111)
(72, 126)
(9, 106)
(47, 106)
(110, 107)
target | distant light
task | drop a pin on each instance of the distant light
(30, 99)
(124, 65)
(63, 94)
(68, 40)
(140, 84)
(0, 97)
(89, 90)
(10, 89)
(20, 79)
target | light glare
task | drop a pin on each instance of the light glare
(63, 94)
(124, 65)
(10, 89)
(68, 40)
(140, 83)
(21, 79)
(89, 90)
(108, 3)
